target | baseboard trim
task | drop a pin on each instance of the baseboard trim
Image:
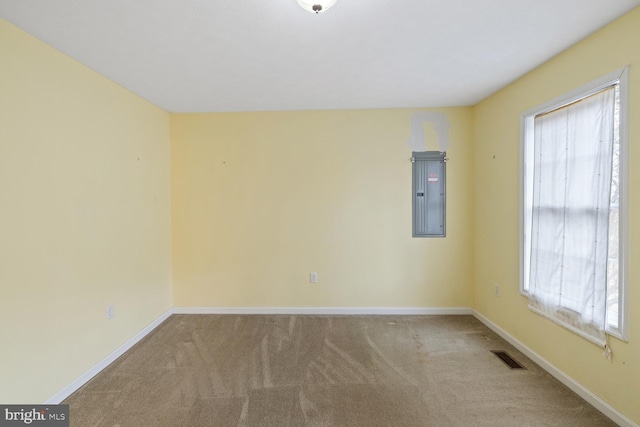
(96, 369)
(327, 310)
(576, 387)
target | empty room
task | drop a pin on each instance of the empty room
(321, 213)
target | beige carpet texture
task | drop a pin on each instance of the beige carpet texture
(299, 370)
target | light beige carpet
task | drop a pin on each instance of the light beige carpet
(241, 370)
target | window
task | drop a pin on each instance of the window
(429, 193)
(573, 199)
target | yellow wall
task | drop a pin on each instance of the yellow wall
(262, 199)
(496, 132)
(84, 217)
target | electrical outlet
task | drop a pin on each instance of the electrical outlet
(110, 312)
(496, 290)
(314, 277)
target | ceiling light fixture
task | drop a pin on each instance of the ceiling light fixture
(316, 6)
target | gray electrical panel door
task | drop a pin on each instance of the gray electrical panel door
(429, 193)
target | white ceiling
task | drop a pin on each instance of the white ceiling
(260, 55)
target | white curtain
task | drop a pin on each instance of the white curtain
(573, 149)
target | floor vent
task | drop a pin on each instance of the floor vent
(508, 360)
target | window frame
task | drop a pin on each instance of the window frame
(621, 78)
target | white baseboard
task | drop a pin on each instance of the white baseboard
(576, 387)
(95, 370)
(326, 310)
